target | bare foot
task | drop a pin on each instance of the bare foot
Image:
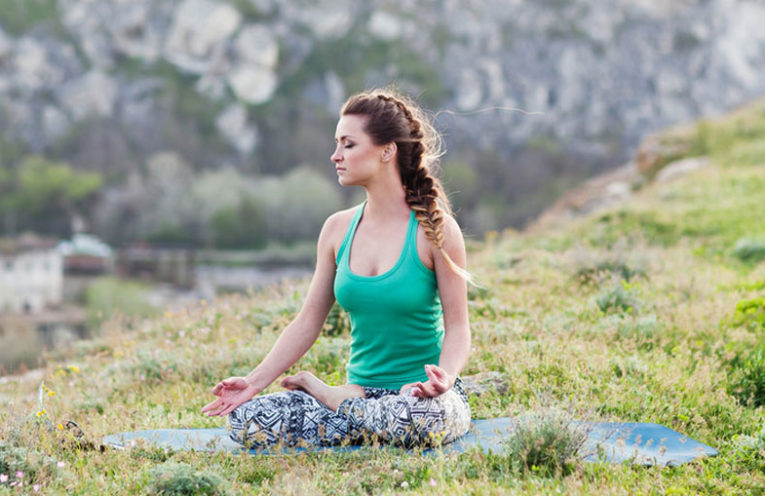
(330, 396)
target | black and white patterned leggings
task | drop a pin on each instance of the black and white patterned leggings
(293, 418)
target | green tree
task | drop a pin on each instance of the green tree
(43, 195)
(242, 226)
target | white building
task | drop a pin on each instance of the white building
(31, 274)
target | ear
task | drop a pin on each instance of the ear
(389, 151)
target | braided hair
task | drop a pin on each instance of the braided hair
(395, 118)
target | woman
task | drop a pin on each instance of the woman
(395, 264)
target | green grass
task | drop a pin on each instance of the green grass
(651, 311)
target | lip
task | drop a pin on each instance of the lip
(339, 169)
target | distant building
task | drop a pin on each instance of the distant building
(85, 254)
(31, 274)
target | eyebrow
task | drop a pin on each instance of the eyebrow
(341, 138)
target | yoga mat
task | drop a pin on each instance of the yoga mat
(614, 442)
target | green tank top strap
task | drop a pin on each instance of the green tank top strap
(349, 232)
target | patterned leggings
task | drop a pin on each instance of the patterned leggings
(294, 418)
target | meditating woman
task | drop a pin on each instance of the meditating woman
(395, 263)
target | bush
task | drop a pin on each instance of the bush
(618, 298)
(747, 376)
(644, 330)
(241, 226)
(30, 463)
(547, 442)
(749, 250)
(751, 314)
(181, 479)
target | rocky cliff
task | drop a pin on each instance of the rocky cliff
(530, 91)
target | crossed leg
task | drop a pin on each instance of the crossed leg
(330, 396)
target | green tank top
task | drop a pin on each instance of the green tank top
(396, 317)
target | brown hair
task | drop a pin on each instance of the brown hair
(395, 118)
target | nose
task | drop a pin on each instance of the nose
(337, 156)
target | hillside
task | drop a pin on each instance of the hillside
(650, 310)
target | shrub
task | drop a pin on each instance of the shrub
(180, 479)
(546, 442)
(15, 459)
(750, 314)
(749, 250)
(618, 298)
(596, 271)
(644, 330)
(747, 376)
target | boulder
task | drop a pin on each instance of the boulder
(252, 84)
(198, 27)
(233, 126)
(681, 168)
(658, 150)
(93, 94)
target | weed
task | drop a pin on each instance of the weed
(747, 376)
(749, 250)
(181, 479)
(617, 298)
(547, 443)
(644, 330)
(23, 464)
(751, 314)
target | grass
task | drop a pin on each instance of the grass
(651, 311)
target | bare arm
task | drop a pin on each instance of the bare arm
(296, 338)
(453, 292)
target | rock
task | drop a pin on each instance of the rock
(484, 382)
(6, 46)
(326, 20)
(252, 84)
(133, 32)
(94, 94)
(199, 26)
(659, 149)
(385, 26)
(55, 123)
(30, 64)
(680, 168)
(255, 44)
(233, 126)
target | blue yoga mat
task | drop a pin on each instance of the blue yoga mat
(615, 442)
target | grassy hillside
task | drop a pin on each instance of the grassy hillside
(651, 311)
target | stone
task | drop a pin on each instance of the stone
(680, 168)
(94, 94)
(255, 44)
(233, 126)
(253, 84)
(198, 27)
(385, 26)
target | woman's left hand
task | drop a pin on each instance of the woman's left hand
(439, 381)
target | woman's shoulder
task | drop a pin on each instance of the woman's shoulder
(337, 224)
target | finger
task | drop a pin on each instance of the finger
(438, 372)
(216, 390)
(213, 408)
(209, 406)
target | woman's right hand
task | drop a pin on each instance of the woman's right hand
(231, 393)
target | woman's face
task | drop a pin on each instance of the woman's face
(357, 159)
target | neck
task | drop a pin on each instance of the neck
(386, 199)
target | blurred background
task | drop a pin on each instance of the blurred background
(156, 152)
